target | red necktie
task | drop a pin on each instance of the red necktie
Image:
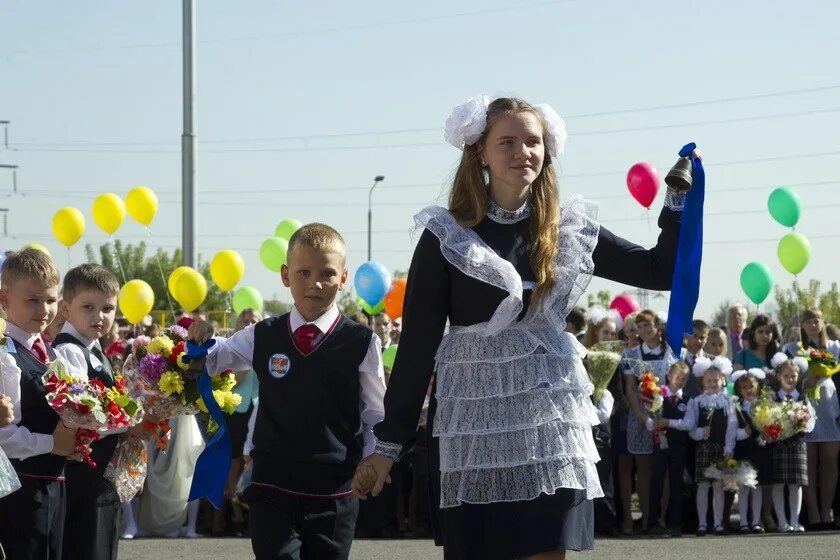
(40, 350)
(305, 337)
(673, 400)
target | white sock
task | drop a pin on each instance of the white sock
(795, 498)
(757, 502)
(744, 504)
(702, 503)
(192, 516)
(779, 504)
(717, 503)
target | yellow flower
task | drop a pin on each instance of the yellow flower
(160, 345)
(232, 400)
(181, 363)
(201, 406)
(171, 382)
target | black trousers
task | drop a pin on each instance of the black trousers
(605, 519)
(32, 520)
(93, 516)
(671, 461)
(285, 527)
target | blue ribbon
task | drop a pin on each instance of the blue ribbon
(685, 286)
(213, 465)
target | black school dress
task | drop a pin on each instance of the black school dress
(511, 453)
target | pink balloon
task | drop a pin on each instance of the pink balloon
(643, 183)
(625, 304)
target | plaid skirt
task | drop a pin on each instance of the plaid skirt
(706, 453)
(790, 461)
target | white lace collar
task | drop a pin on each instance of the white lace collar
(718, 400)
(652, 351)
(502, 216)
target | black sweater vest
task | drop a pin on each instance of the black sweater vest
(306, 434)
(717, 434)
(103, 449)
(675, 411)
(36, 415)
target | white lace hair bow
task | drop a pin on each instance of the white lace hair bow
(468, 120)
(598, 313)
(758, 373)
(704, 364)
(780, 357)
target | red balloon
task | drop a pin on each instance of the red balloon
(395, 298)
(625, 304)
(643, 183)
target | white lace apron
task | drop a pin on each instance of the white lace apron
(514, 416)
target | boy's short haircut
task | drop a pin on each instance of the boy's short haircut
(29, 263)
(320, 237)
(700, 325)
(89, 276)
(577, 317)
(682, 367)
(647, 315)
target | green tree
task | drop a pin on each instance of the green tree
(602, 298)
(276, 307)
(809, 297)
(154, 270)
(348, 305)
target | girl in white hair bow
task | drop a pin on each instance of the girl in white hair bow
(713, 425)
(511, 416)
(747, 388)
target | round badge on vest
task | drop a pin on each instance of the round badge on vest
(681, 407)
(279, 365)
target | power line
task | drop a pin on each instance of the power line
(105, 147)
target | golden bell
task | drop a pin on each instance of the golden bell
(679, 177)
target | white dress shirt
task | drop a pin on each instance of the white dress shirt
(17, 441)
(236, 353)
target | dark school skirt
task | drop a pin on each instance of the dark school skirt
(564, 520)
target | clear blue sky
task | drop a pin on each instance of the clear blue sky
(285, 91)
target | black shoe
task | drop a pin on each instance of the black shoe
(745, 530)
(675, 532)
(658, 531)
(701, 532)
(757, 529)
(721, 531)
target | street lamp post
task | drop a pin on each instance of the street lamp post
(378, 179)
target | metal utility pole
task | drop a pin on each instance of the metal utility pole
(14, 169)
(188, 138)
(378, 179)
(5, 133)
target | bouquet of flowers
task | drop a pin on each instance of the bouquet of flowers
(733, 474)
(89, 406)
(650, 394)
(601, 362)
(777, 421)
(821, 365)
(160, 378)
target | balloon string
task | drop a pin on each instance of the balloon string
(162, 278)
(68, 257)
(798, 304)
(117, 256)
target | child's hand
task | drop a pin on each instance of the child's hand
(200, 331)
(371, 475)
(748, 430)
(662, 423)
(7, 412)
(64, 440)
(707, 431)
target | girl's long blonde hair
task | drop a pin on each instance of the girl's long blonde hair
(468, 200)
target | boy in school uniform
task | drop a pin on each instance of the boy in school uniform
(693, 349)
(321, 390)
(670, 455)
(89, 303)
(37, 442)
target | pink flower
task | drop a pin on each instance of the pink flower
(139, 342)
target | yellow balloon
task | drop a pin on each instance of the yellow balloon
(136, 300)
(190, 290)
(68, 225)
(173, 278)
(108, 212)
(142, 204)
(37, 246)
(227, 269)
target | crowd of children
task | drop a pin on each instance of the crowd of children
(664, 457)
(62, 507)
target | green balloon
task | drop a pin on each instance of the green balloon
(372, 309)
(756, 281)
(273, 253)
(286, 228)
(794, 252)
(783, 204)
(389, 355)
(247, 297)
